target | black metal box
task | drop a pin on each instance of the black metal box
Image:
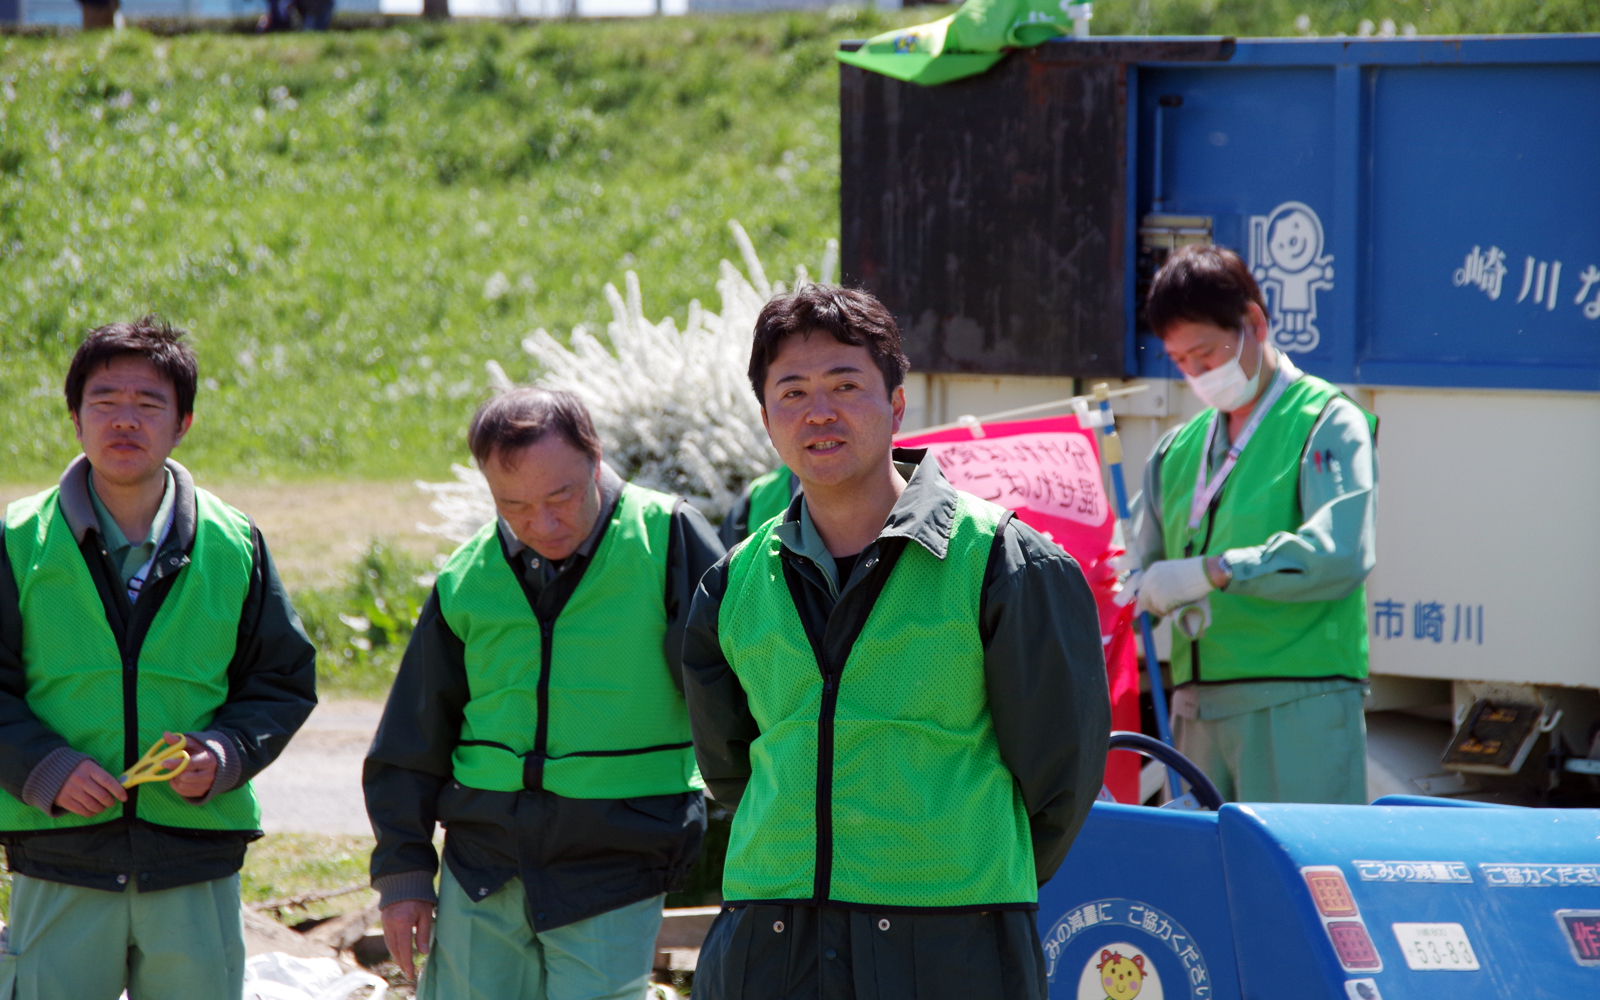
(989, 214)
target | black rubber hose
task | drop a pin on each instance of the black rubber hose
(1204, 791)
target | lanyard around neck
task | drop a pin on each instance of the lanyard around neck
(137, 581)
(1206, 490)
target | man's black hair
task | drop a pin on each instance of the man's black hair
(1201, 285)
(848, 315)
(519, 417)
(149, 337)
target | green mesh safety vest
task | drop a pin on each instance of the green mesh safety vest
(770, 495)
(78, 684)
(583, 705)
(915, 806)
(1251, 638)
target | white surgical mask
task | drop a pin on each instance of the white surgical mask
(1226, 387)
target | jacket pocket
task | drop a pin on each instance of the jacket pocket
(458, 803)
(668, 828)
(666, 808)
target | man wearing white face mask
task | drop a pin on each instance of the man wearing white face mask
(1256, 527)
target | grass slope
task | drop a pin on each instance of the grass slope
(351, 224)
(328, 214)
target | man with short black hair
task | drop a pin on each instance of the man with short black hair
(538, 716)
(1256, 531)
(901, 689)
(135, 608)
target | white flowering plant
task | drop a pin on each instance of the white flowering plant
(673, 408)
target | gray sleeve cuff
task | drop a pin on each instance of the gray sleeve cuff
(45, 780)
(401, 886)
(229, 762)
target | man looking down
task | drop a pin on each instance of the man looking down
(900, 688)
(1256, 526)
(538, 716)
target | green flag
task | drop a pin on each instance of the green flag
(965, 43)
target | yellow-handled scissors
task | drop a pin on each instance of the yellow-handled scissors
(153, 765)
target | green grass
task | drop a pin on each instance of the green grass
(287, 864)
(327, 212)
(281, 865)
(360, 625)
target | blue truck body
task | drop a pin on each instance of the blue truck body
(1422, 211)
(1302, 902)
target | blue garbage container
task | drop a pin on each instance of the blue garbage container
(1403, 899)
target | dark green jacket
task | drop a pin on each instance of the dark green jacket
(1044, 674)
(272, 689)
(736, 527)
(576, 857)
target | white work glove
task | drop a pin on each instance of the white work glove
(1124, 562)
(1128, 590)
(1193, 619)
(1171, 584)
(1128, 586)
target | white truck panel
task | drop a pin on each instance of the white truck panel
(1487, 500)
(1488, 517)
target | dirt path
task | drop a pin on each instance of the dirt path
(315, 528)
(315, 786)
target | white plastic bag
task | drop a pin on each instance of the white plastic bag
(277, 976)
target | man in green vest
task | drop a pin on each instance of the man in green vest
(766, 497)
(135, 608)
(1255, 530)
(538, 716)
(899, 688)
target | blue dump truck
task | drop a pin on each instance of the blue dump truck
(1423, 215)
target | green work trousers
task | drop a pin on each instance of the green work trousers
(488, 950)
(71, 943)
(1312, 749)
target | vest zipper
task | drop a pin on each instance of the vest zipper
(867, 593)
(569, 579)
(541, 732)
(830, 703)
(130, 725)
(140, 619)
(129, 652)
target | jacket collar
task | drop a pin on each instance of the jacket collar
(926, 510)
(924, 513)
(78, 509)
(1288, 367)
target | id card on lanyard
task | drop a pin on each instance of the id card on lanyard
(1206, 487)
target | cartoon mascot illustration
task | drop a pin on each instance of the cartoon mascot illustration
(1121, 977)
(1286, 258)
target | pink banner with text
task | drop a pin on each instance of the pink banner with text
(1048, 471)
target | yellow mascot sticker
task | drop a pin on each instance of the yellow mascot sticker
(1121, 971)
